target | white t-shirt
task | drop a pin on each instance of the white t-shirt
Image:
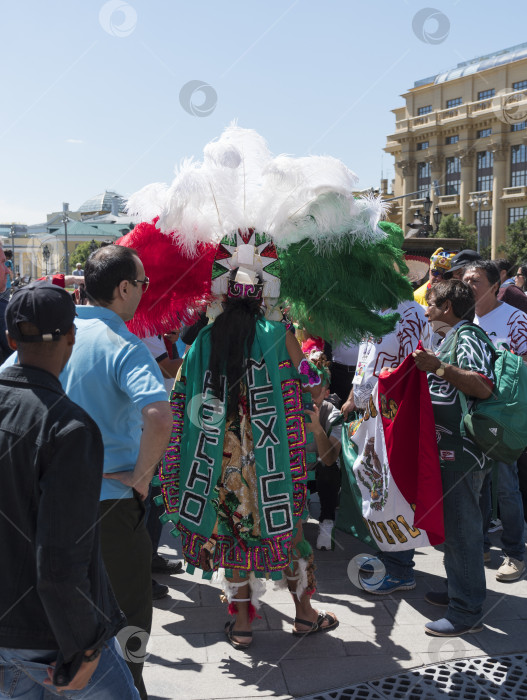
(390, 351)
(505, 324)
(346, 354)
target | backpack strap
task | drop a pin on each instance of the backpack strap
(453, 361)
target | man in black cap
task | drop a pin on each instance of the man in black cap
(58, 616)
(459, 262)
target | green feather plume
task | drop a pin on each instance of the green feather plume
(336, 294)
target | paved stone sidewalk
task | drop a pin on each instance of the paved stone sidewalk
(377, 637)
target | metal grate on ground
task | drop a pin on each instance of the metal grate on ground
(481, 678)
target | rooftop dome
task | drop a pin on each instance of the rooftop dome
(102, 202)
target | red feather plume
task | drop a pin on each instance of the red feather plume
(179, 283)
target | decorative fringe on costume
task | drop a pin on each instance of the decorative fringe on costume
(230, 591)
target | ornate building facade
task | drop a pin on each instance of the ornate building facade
(461, 138)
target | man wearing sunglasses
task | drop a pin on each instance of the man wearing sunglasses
(113, 376)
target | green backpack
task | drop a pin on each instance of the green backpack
(498, 425)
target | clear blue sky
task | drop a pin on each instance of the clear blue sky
(90, 90)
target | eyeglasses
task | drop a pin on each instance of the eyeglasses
(519, 275)
(144, 283)
(437, 273)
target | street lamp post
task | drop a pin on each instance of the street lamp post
(480, 199)
(427, 205)
(46, 254)
(438, 215)
(65, 208)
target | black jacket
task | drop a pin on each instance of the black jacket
(54, 591)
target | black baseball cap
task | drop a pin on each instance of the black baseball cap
(46, 306)
(462, 259)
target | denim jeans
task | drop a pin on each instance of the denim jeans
(399, 564)
(23, 671)
(464, 545)
(511, 510)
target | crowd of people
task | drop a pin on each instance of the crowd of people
(292, 297)
(77, 552)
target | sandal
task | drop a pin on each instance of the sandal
(317, 626)
(230, 633)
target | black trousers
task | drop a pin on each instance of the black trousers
(127, 555)
(327, 485)
(522, 478)
(341, 379)
(154, 526)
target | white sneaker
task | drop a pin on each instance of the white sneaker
(510, 570)
(324, 539)
(495, 525)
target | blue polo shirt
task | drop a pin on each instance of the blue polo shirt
(112, 376)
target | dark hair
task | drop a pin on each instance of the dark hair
(458, 293)
(231, 340)
(504, 264)
(106, 268)
(490, 269)
(8, 254)
(523, 268)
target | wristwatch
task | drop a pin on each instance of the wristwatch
(440, 370)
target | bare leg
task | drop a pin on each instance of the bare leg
(303, 608)
(242, 600)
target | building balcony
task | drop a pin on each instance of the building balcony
(508, 107)
(475, 197)
(514, 193)
(448, 201)
(416, 204)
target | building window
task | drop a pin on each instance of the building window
(520, 126)
(521, 85)
(486, 94)
(518, 165)
(483, 221)
(517, 213)
(454, 103)
(484, 164)
(453, 175)
(423, 178)
(422, 146)
(452, 139)
(424, 110)
(483, 133)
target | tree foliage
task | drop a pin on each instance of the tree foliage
(456, 227)
(515, 247)
(82, 252)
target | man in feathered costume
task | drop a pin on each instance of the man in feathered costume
(261, 233)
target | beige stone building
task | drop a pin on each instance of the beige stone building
(465, 130)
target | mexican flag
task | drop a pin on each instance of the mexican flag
(392, 493)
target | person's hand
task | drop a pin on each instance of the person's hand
(315, 420)
(348, 407)
(80, 680)
(140, 484)
(173, 336)
(426, 361)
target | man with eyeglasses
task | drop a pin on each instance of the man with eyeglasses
(113, 376)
